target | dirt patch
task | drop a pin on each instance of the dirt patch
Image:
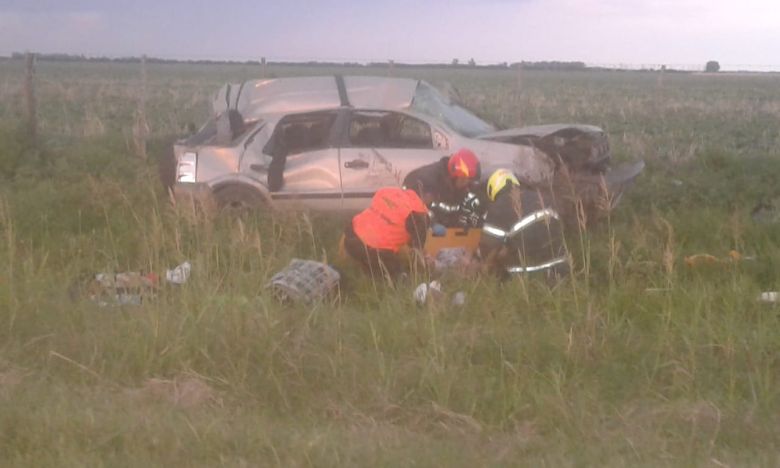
(184, 391)
(425, 418)
(10, 378)
(645, 421)
(391, 426)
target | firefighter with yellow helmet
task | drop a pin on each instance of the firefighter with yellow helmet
(522, 231)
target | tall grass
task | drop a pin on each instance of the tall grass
(635, 359)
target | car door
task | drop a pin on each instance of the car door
(303, 162)
(379, 149)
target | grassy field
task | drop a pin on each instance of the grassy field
(636, 360)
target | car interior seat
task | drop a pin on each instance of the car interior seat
(369, 136)
(294, 138)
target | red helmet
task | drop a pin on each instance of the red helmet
(464, 163)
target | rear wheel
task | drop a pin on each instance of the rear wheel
(239, 199)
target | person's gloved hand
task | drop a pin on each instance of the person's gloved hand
(471, 203)
(438, 230)
(475, 220)
(469, 220)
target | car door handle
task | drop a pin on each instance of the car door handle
(356, 164)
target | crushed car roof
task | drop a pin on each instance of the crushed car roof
(305, 94)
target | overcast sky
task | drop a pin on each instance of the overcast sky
(741, 34)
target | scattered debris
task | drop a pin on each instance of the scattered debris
(770, 297)
(432, 293)
(449, 258)
(459, 299)
(701, 259)
(109, 289)
(130, 288)
(180, 274)
(707, 259)
(304, 281)
(458, 260)
(427, 290)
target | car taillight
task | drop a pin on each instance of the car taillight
(187, 168)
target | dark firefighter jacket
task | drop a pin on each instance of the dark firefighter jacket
(522, 233)
(433, 184)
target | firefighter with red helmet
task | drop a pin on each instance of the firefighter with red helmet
(396, 217)
(445, 186)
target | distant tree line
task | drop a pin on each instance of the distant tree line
(554, 65)
(454, 64)
(711, 66)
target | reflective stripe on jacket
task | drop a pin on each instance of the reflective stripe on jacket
(545, 215)
(536, 216)
(526, 229)
(383, 224)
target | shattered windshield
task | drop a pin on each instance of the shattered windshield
(427, 100)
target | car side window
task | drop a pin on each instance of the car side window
(301, 132)
(379, 129)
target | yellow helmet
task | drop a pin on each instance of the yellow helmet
(498, 180)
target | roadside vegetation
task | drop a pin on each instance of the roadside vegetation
(638, 359)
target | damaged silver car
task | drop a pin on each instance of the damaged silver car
(329, 142)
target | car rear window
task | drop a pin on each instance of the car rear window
(301, 132)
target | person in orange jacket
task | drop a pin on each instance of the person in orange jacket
(395, 218)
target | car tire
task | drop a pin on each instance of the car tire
(239, 199)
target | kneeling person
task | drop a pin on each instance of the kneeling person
(522, 232)
(444, 186)
(395, 218)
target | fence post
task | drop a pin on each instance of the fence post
(29, 94)
(141, 126)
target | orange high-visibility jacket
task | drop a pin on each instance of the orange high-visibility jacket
(383, 224)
